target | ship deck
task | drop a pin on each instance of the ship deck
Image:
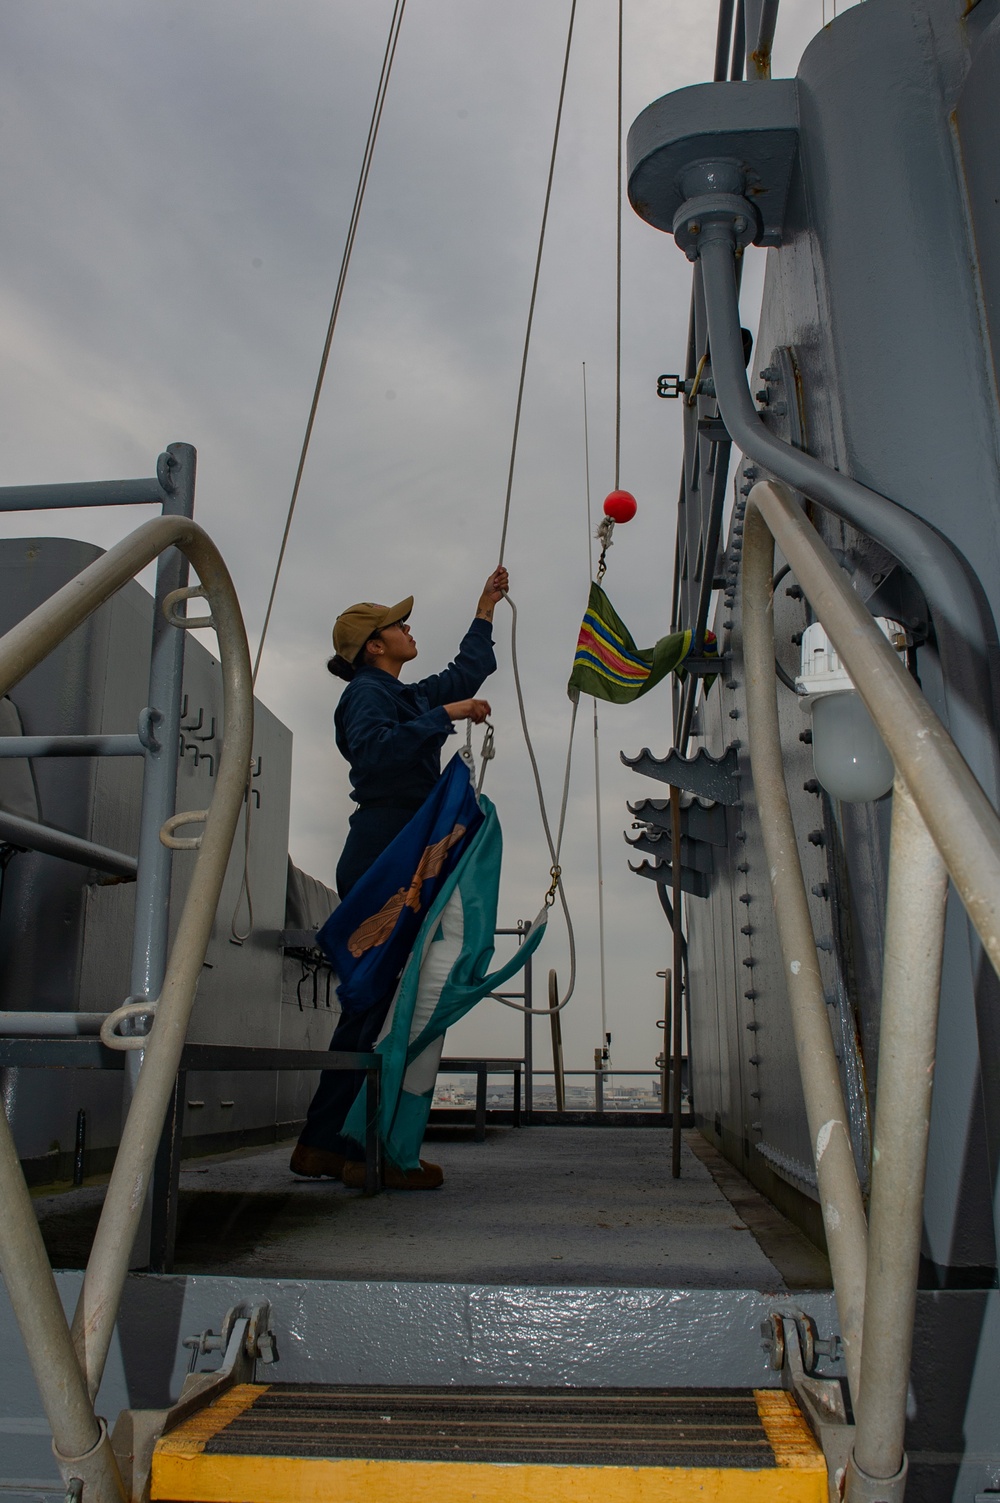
(567, 1205)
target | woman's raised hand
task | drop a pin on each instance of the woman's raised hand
(494, 590)
(475, 710)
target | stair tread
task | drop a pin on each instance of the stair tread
(287, 1441)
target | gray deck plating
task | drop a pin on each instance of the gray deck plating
(543, 1205)
(563, 1256)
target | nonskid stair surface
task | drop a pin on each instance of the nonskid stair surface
(309, 1444)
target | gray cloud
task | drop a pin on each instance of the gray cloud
(176, 179)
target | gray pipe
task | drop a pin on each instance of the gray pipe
(71, 746)
(914, 943)
(36, 837)
(964, 626)
(50, 1025)
(762, 18)
(82, 493)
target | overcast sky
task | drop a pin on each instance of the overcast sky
(176, 180)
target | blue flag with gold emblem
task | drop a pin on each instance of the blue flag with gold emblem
(447, 973)
(368, 938)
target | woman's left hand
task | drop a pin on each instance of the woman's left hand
(494, 590)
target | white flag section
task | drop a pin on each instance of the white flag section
(446, 975)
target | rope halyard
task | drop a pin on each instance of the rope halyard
(556, 888)
(534, 285)
(395, 23)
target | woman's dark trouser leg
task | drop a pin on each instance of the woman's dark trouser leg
(335, 1095)
(371, 830)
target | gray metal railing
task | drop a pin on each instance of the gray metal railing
(600, 1079)
(68, 1366)
(943, 826)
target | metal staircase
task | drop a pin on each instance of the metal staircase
(287, 1444)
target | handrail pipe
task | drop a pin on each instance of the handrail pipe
(68, 1371)
(959, 816)
(31, 835)
(911, 989)
(943, 825)
(826, 1112)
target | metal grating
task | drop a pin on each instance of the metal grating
(632, 1427)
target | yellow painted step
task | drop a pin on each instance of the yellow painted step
(324, 1444)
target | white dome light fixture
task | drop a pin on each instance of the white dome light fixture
(850, 758)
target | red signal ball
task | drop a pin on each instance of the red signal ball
(620, 506)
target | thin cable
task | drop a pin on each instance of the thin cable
(618, 267)
(366, 162)
(597, 754)
(534, 289)
(586, 471)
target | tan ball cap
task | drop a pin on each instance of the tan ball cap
(354, 626)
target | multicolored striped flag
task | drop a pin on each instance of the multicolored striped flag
(608, 664)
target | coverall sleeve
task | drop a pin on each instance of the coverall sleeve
(379, 741)
(464, 677)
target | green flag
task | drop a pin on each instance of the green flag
(607, 662)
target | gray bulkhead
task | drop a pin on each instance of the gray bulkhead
(881, 322)
(65, 930)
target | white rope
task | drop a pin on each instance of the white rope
(236, 935)
(554, 845)
(534, 285)
(381, 90)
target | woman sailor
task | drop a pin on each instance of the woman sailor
(391, 733)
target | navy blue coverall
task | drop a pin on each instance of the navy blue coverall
(391, 734)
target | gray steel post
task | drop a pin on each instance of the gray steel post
(152, 895)
(528, 1053)
(667, 1050)
(675, 870)
(914, 943)
(176, 471)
